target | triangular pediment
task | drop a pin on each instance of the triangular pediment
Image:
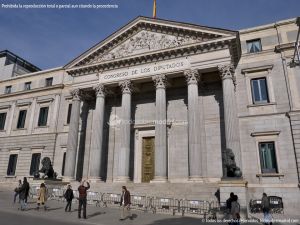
(144, 36)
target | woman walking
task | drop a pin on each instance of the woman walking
(42, 197)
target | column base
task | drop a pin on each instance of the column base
(197, 179)
(159, 180)
(122, 180)
(68, 179)
(95, 180)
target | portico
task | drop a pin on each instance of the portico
(151, 114)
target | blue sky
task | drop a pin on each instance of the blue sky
(50, 38)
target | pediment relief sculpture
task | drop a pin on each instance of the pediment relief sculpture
(146, 41)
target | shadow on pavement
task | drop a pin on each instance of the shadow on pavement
(179, 221)
(95, 214)
(52, 209)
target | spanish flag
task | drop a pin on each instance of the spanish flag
(154, 9)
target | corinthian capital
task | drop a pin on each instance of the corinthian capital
(100, 90)
(126, 86)
(160, 81)
(226, 71)
(192, 76)
(76, 94)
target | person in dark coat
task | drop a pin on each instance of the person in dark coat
(82, 198)
(229, 201)
(125, 204)
(23, 193)
(266, 209)
(69, 197)
(17, 191)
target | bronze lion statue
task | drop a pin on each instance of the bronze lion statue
(47, 169)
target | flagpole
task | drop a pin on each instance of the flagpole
(154, 9)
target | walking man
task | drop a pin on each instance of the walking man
(23, 194)
(69, 197)
(266, 209)
(82, 198)
(125, 204)
(17, 191)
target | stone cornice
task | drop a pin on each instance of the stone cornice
(195, 48)
(257, 69)
(58, 86)
(284, 47)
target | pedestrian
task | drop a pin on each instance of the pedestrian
(82, 198)
(235, 211)
(266, 209)
(23, 194)
(228, 202)
(69, 197)
(17, 191)
(125, 204)
(42, 196)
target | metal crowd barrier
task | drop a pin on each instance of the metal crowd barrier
(156, 204)
(33, 191)
(111, 199)
(94, 198)
(139, 202)
(165, 205)
(57, 194)
(275, 203)
(76, 195)
(197, 207)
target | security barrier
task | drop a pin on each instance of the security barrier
(139, 202)
(111, 199)
(56, 194)
(164, 205)
(275, 203)
(33, 191)
(197, 207)
(93, 198)
(159, 204)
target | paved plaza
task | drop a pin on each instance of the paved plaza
(10, 215)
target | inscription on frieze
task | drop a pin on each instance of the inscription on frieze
(145, 70)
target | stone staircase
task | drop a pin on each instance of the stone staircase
(201, 191)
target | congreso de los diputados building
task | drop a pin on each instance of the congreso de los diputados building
(165, 107)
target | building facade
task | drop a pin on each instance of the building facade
(163, 102)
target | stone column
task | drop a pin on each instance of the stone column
(73, 137)
(196, 144)
(124, 150)
(161, 159)
(96, 152)
(230, 112)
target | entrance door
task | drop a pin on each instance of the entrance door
(148, 159)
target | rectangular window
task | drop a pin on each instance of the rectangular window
(259, 90)
(43, 116)
(12, 164)
(254, 46)
(49, 81)
(27, 86)
(2, 120)
(63, 164)
(35, 163)
(69, 113)
(7, 90)
(267, 157)
(22, 119)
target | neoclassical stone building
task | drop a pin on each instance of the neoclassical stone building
(162, 104)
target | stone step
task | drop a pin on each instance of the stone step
(172, 190)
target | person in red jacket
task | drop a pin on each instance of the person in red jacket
(82, 198)
(125, 204)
